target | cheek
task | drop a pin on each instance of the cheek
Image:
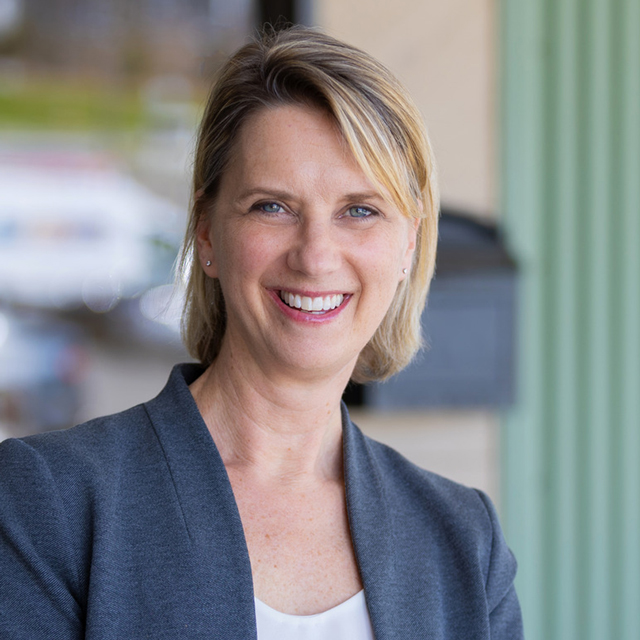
(381, 271)
(386, 271)
(389, 254)
(243, 255)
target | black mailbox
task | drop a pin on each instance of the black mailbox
(469, 327)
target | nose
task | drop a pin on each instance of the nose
(315, 251)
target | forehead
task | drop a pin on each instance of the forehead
(290, 122)
(290, 143)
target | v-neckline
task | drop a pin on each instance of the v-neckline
(215, 530)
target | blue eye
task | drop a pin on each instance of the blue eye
(270, 207)
(360, 212)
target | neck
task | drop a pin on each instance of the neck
(278, 427)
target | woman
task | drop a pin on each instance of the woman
(243, 497)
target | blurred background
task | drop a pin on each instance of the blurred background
(530, 388)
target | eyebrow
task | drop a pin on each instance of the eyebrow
(358, 196)
(363, 195)
(263, 191)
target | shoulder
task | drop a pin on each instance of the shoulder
(92, 468)
(68, 472)
(65, 480)
(410, 486)
(460, 523)
(54, 490)
(97, 446)
(105, 444)
(77, 508)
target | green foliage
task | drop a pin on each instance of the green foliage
(69, 107)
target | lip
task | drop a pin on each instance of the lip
(304, 316)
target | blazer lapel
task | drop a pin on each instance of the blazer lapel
(371, 532)
(220, 573)
(396, 608)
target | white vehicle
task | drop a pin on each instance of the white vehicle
(74, 230)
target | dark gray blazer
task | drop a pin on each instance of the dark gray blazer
(126, 528)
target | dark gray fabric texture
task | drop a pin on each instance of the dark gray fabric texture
(126, 527)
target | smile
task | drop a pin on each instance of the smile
(311, 305)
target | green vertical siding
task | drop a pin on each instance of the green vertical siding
(628, 464)
(571, 176)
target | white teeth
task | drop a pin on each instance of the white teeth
(312, 304)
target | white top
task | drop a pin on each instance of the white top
(348, 621)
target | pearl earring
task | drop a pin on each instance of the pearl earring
(208, 263)
(404, 271)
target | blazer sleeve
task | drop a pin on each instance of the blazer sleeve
(505, 618)
(39, 577)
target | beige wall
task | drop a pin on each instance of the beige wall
(443, 52)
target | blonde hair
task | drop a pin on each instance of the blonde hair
(386, 135)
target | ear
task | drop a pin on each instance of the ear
(204, 246)
(412, 230)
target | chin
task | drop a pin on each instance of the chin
(320, 366)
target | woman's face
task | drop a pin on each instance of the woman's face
(308, 253)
